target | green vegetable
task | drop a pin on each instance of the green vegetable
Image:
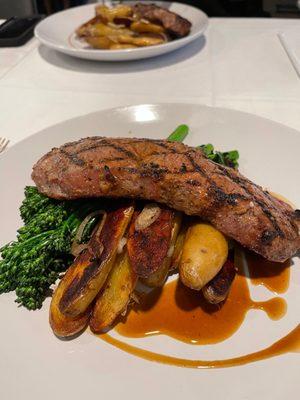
(32, 263)
(179, 134)
(228, 158)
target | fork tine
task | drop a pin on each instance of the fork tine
(3, 144)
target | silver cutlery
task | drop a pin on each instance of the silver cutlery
(3, 144)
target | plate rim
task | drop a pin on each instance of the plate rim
(159, 104)
(92, 346)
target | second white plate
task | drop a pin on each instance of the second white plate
(58, 32)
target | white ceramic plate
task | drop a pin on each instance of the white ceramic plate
(57, 32)
(34, 364)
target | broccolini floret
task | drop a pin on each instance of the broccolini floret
(32, 263)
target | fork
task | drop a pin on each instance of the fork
(3, 144)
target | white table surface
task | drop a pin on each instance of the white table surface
(239, 64)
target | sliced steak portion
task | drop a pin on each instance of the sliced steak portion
(176, 175)
(173, 23)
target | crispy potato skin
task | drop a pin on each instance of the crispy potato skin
(96, 28)
(142, 27)
(176, 257)
(147, 248)
(92, 266)
(102, 42)
(204, 252)
(115, 28)
(119, 46)
(218, 288)
(115, 296)
(61, 325)
(108, 14)
(84, 29)
(158, 278)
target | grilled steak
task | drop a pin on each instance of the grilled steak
(176, 175)
(173, 23)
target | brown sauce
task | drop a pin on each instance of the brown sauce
(185, 315)
(282, 198)
(289, 343)
(274, 276)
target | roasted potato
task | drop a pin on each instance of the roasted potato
(92, 266)
(119, 29)
(119, 40)
(218, 288)
(119, 46)
(138, 41)
(176, 257)
(143, 27)
(109, 14)
(96, 28)
(101, 29)
(149, 239)
(158, 278)
(116, 294)
(102, 42)
(84, 29)
(204, 252)
(61, 325)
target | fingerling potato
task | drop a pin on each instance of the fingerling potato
(149, 238)
(142, 27)
(119, 46)
(92, 266)
(115, 296)
(204, 252)
(102, 42)
(109, 14)
(140, 41)
(216, 290)
(176, 256)
(158, 278)
(61, 325)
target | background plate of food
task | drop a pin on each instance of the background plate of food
(245, 317)
(113, 31)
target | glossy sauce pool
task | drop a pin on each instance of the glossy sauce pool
(274, 276)
(185, 315)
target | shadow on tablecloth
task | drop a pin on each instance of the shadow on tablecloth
(88, 66)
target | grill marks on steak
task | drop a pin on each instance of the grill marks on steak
(173, 23)
(176, 175)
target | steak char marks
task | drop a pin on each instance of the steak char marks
(178, 176)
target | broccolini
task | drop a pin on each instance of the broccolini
(32, 263)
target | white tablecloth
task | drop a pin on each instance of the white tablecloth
(239, 64)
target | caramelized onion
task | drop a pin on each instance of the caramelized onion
(171, 251)
(77, 247)
(149, 214)
(121, 245)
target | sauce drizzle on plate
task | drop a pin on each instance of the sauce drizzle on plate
(289, 343)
